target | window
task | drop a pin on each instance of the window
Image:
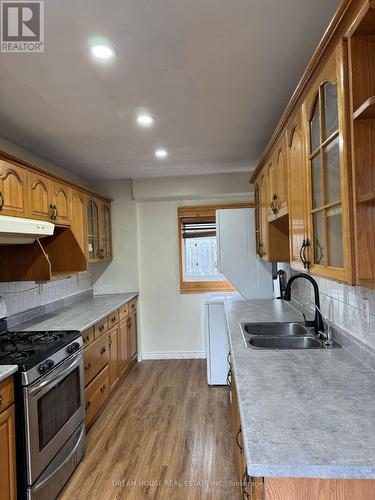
(198, 249)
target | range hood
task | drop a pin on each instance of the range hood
(18, 231)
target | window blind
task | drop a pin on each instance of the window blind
(198, 228)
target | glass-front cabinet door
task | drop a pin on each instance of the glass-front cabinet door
(105, 233)
(93, 229)
(328, 246)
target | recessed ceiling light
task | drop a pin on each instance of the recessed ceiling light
(145, 120)
(102, 51)
(161, 153)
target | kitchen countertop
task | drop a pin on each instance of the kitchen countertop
(7, 370)
(79, 316)
(304, 413)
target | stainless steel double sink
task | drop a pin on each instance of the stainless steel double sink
(282, 336)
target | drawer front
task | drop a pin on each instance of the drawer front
(95, 357)
(113, 319)
(132, 305)
(6, 393)
(100, 327)
(96, 394)
(88, 337)
(123, 311)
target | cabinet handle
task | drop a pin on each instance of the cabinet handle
(229, 378)
(272, 204)
(229, 359)
(56, 212)
(88, 404)
(301, 253)
(102, 389)
(260, 251)
(101, 254)
(88, 367)
(103, 350)
(129, 323)
(1, 399)
(238, 443)
(244, 485)
(1, 200)
(306, 262)
(86, 339)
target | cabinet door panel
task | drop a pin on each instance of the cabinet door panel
(113, 358)
(79, 219)
(123, 346)
(8, 454)
(93, 228)
(325, 114)
(13, 187)
(132, 335)
(61, 199)
(297, 190)
(39, 188)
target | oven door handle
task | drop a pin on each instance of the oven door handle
(50, 476)
(58, 376)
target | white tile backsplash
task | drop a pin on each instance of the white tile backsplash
(25, 295)
(340, 303)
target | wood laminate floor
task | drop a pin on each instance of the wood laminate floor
(164, 435)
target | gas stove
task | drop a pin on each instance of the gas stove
(35, 353)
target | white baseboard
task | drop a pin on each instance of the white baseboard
(173, 355)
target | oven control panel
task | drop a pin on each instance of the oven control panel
(47, 365)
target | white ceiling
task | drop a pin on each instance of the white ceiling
(215, 73)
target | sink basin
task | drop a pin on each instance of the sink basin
(275, 329)
(291, 342)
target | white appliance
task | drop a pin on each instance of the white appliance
(238, 261)
(18, 231)
(237, 256)
(216, 337)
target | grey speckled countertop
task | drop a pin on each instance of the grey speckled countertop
(305, 413)
(7, 370)
(79, 316)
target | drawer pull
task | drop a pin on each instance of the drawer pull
(129, 323)
(86, 339)
(1, 399)
(1, 200)
(102, 389)
(237, 441)
(103, 350)
(88, 367)
(88, 404)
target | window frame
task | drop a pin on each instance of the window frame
(203, 212)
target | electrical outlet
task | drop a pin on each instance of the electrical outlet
(365, 310)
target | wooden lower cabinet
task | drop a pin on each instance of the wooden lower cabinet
(110, 350)
(96, 357)
(291, 488)
(96, 394)
(8, 489)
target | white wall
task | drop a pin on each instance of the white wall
(195, 187)
(121, 275)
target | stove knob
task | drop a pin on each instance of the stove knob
(47, 365)
(50, 363)
(72, 347)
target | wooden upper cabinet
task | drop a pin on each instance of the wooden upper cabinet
(93, 207)
(325, 120)
(39, 190)
(281, 175)
(13, 190)
(263, 213)
(60, 201)
(105, 250)
(297, 176)
(79, 218)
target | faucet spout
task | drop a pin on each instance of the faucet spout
(318, 321)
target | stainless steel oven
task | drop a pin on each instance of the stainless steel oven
(54, 410)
